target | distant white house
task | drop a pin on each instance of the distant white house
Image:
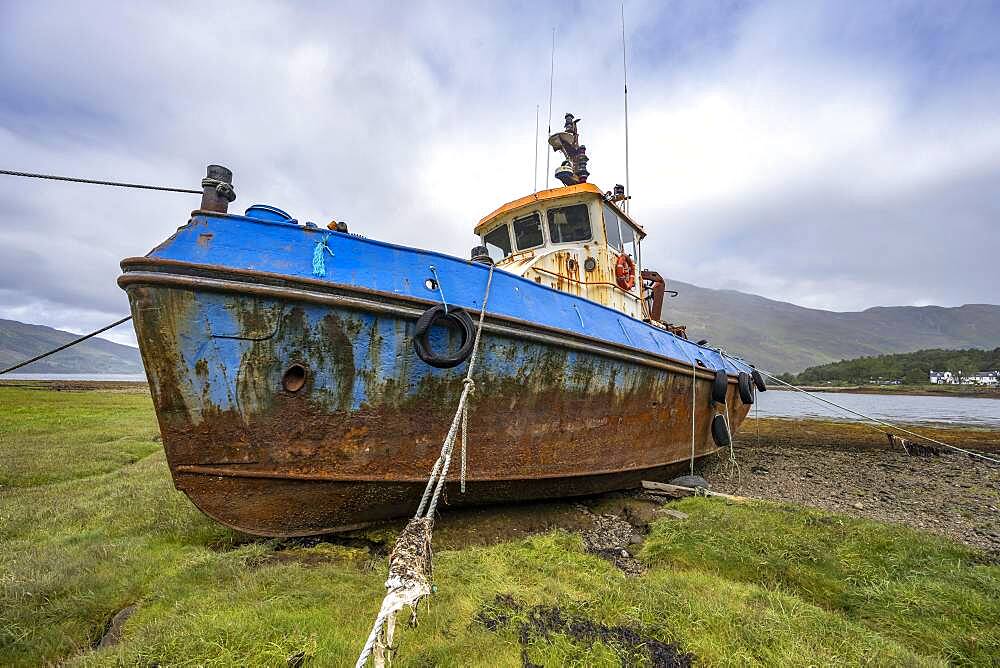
(985, 378)
(977, 378)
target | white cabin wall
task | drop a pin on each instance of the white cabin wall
(562, 266)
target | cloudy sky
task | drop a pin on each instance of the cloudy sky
(836, 155)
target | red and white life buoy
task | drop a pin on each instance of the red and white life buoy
(625, 272)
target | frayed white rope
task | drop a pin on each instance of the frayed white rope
(410, 562)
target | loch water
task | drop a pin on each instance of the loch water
(902, 408)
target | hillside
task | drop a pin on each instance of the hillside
(911, 368)
(20, 341)
(783, 337)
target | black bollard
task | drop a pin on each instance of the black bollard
(218, 189)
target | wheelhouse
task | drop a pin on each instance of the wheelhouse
(577, 239)
(571, 239)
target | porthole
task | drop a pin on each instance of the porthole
(294, 378)
(431, 284)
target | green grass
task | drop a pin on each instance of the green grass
(50, 436)
(88, 529)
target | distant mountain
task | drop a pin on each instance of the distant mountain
(20, 341)
(783, 337)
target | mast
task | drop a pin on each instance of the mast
(552, 72)
(628, 189)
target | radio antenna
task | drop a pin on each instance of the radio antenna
(552, 71)
(628, 189)
(534, 185)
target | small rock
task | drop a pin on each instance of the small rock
(859, 505)
(694, 481)
(676, 514)
(116, 627)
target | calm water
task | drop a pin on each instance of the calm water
(75, 376)
(888, 407)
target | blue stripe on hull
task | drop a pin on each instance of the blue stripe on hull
(238, 242)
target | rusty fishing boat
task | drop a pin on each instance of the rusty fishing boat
(304, 377)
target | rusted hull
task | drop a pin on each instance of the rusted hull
(552, 414)
(289, 507)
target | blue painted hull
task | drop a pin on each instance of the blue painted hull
(572, 397)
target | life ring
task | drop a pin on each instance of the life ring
(758, 380)
(434, 315)
(720, 386)
(625, 272)
(720, 432)
(746, 388)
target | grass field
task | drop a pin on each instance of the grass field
(91, 524)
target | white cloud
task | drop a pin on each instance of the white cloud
(779, 149)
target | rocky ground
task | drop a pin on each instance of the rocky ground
(951, 494)
(838, 466)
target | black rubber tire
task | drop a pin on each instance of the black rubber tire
(758, 380)
(694, 481)
(720, 433)
(720, 386)
(746, 388)
(434, 315)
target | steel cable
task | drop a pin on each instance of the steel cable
(118, 184)
(66, 345)
(971, 453)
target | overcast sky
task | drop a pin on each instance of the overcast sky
(835, 155)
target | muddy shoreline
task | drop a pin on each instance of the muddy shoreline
(836, 466)
(850, 468)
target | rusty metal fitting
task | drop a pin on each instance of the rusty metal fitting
(217, 189)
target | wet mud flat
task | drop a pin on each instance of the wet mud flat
(851, 468)
(69, 385)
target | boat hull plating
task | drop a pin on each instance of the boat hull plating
(554, 413)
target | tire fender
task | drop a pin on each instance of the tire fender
(720, 386)
(746, 388)
(720, 432)
(437, 314)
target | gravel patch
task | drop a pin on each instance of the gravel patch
(611, 537)
(952, 494)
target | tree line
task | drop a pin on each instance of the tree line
(910, 368)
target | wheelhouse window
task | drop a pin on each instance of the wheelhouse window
(497, 242)
(528, 232)
(630, 241)
(569, 223)
(611, 228)
(622, 237)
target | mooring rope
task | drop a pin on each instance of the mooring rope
(733, 464)
(694, 383)
(118, 184)
(407, 586)
(66, 345)
(971, 453)
(756, 418)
